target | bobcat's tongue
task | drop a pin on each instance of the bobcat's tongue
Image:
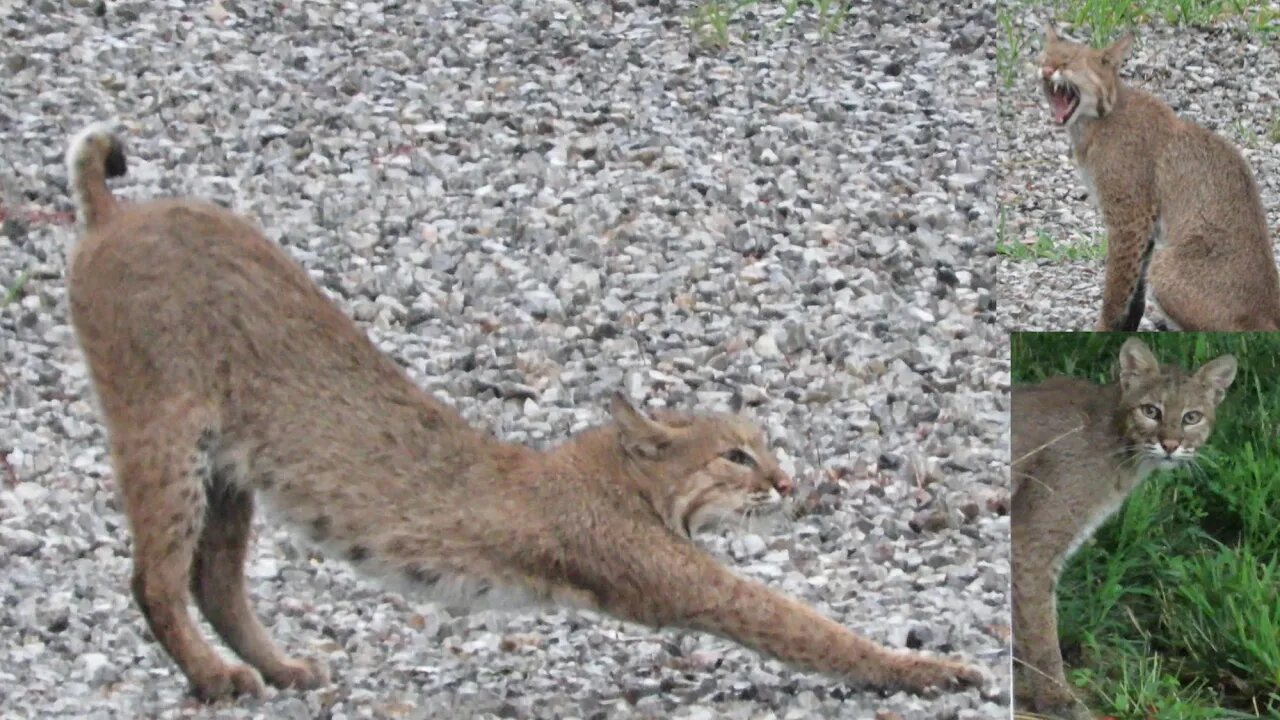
(1063, 103)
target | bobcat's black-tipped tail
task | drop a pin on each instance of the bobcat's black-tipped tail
(95, 154)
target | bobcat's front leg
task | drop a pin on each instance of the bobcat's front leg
(1124, 292)
(697, 593)
(1036, 649)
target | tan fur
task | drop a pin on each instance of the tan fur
(94, 154)
(1079, 449)
(1182, 210)
(224, 375)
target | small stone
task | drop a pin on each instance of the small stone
(750, 546)
(919, 637)
(766, 347)
(21, 541)
(98, 669)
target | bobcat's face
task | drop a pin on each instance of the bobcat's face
(1168, 421)
(738, 475)
(1079, 81)
(1166, 413)
(711, 468)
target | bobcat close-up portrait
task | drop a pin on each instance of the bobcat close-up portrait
(1163, 446)
(501, 360)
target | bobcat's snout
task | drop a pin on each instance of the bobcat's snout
(783, 483)
(1167, 455)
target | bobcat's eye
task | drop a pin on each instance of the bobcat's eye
(738, 456)
(1151, 411)
(1192, 417)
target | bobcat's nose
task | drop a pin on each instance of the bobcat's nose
(1169, 445)
(782, 483)
(1047, 72)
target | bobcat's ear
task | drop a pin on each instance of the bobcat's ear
(1118, 51)
(1050, 35)
(640, 436)
(1218, 374)
(1136, 363)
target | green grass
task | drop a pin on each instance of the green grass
(1101, 21)
(15, 289)
(1012, 41)
(712, 20)
(1106, 18)
(1249, 136)
(1173, 611)
(1244, 134)
(1046, 248)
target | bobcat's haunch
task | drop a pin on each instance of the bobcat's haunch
(225, 376)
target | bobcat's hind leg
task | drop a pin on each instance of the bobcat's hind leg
(162, 470)
(218, 583)
(1192, 292)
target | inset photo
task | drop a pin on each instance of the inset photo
(1140, 165)
(1146, 537)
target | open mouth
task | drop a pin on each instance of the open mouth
(1063, 99)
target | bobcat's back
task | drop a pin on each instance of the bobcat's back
(1055, 421)
(1207, 192)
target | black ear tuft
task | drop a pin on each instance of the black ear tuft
(115, 165)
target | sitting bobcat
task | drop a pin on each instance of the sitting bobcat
(224, 373)
(1181, 208)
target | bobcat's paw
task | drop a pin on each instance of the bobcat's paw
(302, 673)
(1066, 710)
(227, 681)
(930, 675)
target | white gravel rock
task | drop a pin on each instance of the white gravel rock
(531, 205)
(20, 541)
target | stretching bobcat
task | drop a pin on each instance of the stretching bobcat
(223, 373)
(1181, 207)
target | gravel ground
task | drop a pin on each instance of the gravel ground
(1208, 76)
(530, 205)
